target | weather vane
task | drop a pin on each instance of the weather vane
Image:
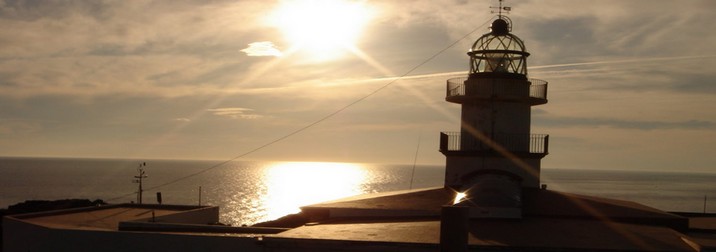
(501, 8)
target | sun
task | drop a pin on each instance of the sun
(323, 29)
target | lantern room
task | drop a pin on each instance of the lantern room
(499, 52)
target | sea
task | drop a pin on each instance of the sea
(249, 192)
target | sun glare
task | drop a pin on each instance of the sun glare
(459, 197)
(294, 184)
(324, 29)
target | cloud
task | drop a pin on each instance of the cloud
(107, 73)
(15, 127)
(234, 113)
(95, 48)
(609, 28)
(263, 48)
(624, 124)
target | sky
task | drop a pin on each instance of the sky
(631, 83)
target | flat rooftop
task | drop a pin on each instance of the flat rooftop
(535, 203)
(528, 233)
(410, 221)
(551, 220)
(100, 218)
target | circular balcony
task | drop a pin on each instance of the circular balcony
(460, 90)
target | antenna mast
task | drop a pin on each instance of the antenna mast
(501, 8)
(138, 179)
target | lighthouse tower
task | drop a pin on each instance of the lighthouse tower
(495, 156)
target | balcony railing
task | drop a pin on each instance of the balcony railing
(516, 143)
(457, 89)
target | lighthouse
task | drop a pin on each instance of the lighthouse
(495, 156)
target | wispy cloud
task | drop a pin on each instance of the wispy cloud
(110, 74)
(624, 124)
(235, 113)
(263, 48)
(18, 127)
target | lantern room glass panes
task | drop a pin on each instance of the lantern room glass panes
(498, 54)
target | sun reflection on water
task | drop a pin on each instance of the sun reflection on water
(291, 185)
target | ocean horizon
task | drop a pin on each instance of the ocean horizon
(248, 192)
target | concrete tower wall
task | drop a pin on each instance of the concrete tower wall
(494, 107)
(462, 166)
(496, 120)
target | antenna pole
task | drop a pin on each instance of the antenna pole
(415, 160)
(500, 12)
(501, 8)
(138, 179)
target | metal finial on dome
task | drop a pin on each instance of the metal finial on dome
(501, 8)
(502, 25)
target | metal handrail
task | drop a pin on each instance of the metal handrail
(530, 143)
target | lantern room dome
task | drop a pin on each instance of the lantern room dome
(499, 52)
(499, 27)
